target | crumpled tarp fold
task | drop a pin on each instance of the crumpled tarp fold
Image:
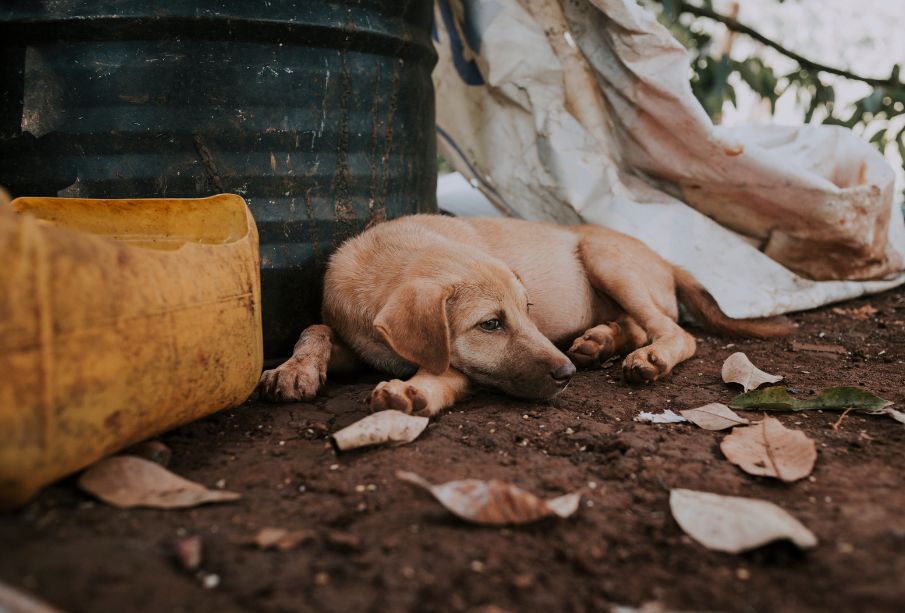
(582, 112)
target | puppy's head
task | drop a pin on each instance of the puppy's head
(477, 322)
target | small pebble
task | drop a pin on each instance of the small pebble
(477, 566)
(210, 580)
(743, 574)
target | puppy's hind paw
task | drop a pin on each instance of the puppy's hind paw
(399, 396)
(292, 381)
(644, 365)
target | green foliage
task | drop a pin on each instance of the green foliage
(711, 80)
(443, 167)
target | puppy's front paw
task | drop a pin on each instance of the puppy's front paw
(593, 347)
(644, 365)
(292, 381)
(400, 396)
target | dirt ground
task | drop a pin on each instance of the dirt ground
(381, 545)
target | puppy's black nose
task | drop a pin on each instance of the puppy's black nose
(563, 373)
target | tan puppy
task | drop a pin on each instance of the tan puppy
(449, 302)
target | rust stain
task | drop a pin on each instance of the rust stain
(342, 180)
(141, 99)
(379, 212)
(207, 159)
(375, 143)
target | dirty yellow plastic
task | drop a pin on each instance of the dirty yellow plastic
(119, 319)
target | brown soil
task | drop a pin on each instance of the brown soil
(381, 545)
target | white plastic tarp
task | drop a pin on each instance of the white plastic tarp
(581, 112)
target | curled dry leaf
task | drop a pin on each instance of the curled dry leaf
(734, 525)
(129, 481)
(899, 416)
(738, 369)
(494, 503)
(390, 426)
(666, 417)
(770, 449)
(714, 416)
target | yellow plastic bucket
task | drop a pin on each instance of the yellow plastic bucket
(119, 319)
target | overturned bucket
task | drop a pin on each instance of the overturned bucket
(119, 319)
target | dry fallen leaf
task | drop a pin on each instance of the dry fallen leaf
(738, 369)
(12, 600)
(129, 481)
(819, 348)
(714, 416)
(390, 426)
(494, 502)
(343, 540)
(732, 524)
(279, 538)
(863, 312)
(899, 416)
(666, 417)
(778, 398)
(770, 449)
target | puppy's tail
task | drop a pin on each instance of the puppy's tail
(708, 315)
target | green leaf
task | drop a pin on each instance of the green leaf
(778, 398)
(879, 139)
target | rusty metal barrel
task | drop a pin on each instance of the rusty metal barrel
(319, 113)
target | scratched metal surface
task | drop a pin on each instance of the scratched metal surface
(319, 113)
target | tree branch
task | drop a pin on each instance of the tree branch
(736, 26)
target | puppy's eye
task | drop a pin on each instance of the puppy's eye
(490, 325)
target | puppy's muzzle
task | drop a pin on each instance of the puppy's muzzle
(563, 374)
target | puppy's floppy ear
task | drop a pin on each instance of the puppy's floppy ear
(413, 323)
